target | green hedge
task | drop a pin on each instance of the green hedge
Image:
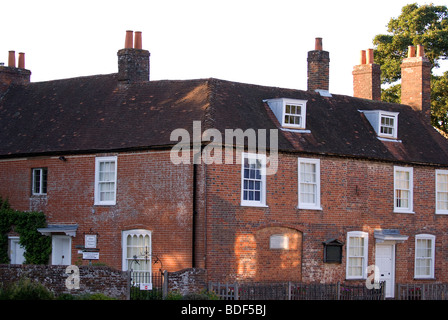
(37, 246)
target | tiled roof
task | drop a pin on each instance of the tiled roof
(101, 114)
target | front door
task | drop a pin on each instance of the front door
(61, 250)
(385, 261)
(17, 252)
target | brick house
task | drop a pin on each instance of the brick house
(353, 181)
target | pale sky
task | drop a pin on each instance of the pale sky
(251, 41)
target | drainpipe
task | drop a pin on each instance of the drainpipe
(195, 213)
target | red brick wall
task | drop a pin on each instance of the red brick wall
(152, 194)
(356, 195)
(232, 241)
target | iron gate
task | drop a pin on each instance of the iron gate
(145, 285)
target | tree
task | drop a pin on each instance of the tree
(426, 25)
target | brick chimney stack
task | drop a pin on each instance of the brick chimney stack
(367, 77)
(416, 81)
(12, 75)
(318, 68)
(133, 61)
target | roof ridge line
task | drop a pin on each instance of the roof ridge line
(208, 119)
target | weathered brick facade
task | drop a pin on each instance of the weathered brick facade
(357, 195)
(140, 205)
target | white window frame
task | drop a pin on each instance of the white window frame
(409, 208)
(98, 161)
(390, 115)
(307, 205)
(262, 201)
(302, 115)
(350, 236)
(438, 191)
(140, 276)
(41, 181)
(430, 258)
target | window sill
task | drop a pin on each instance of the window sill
(298, 130)
(442, 213)
(403, 211)
(389, 139)
(254, 205)
(104, 204)
(309, 208)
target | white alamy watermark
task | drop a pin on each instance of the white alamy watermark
(72, 281)
(208, 147)
(373, 280)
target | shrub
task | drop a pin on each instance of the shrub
(25, 289)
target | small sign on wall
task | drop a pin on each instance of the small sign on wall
(90, 255)
(90, 241)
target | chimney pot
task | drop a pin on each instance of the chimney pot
(369, 56)
(362, 58)
(411, 51)
(128, 43)
(138, 40)
(318, 44)
(12, 59)
(21, 60)
(420, 51)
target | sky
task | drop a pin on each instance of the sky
(251, 41)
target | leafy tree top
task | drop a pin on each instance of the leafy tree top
(426, 25)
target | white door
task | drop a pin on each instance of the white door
(385, 261)
(17, 252)
(61, 253)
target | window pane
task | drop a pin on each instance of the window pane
(252, 179)
(308, 183)
(293, 114)
(36, 187)
(387, 125)
(356, 256)
(44, 180)
(423, 257)
(403, 189)
(442, 191)
(138, 253)
(106, 181)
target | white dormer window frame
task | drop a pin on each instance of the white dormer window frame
(385, 123)
(388, 124)
(290, 113)
(294, 115)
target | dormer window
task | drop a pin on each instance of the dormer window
(385, 123)
(291, 113)
(388, 125)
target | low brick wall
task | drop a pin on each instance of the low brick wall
(185, 281)
(92, 279)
